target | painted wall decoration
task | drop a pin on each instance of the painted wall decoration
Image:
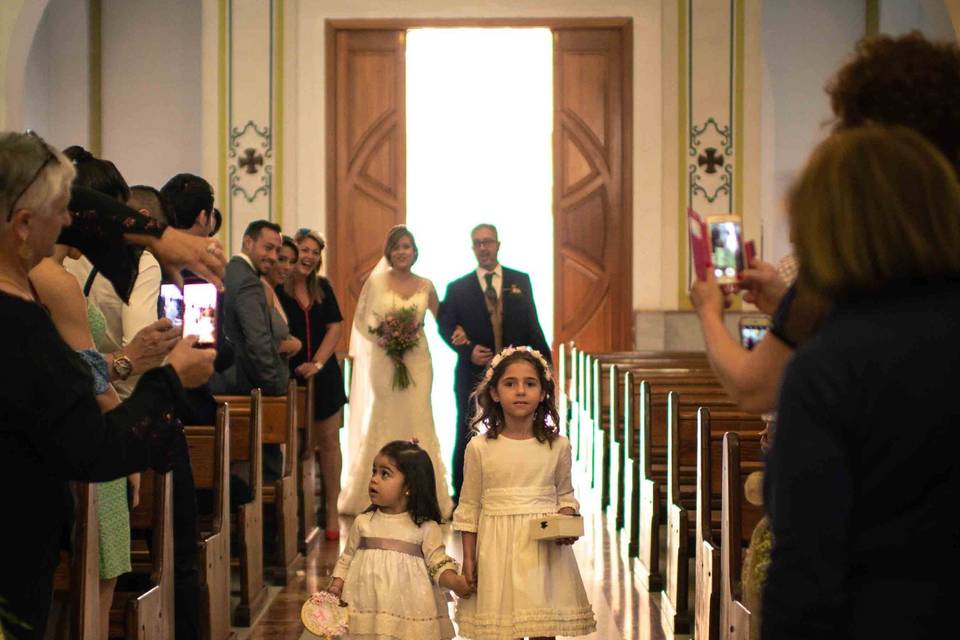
(250, 107)
(710, 48)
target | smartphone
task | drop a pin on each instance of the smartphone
(726, 247)
(200, 301)
(170, 305)
(752, 330)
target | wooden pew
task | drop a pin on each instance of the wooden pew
(246, 425)
(210, 458)
(149, 615)
(734, 615)
(77, 579)
(309, 531)
(711, 428)
(644, 468)
(683, 413)
(280, 427)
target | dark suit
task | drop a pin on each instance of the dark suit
(464, 305)
(246, 323)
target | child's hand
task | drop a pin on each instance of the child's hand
(470, 572)
(335, 587)
(460, 586)
(567, 511)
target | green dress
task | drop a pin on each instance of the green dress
(113, 515)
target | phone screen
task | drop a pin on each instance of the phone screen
(200, 312)
(171, 304)
(752, 331)
(726, 250)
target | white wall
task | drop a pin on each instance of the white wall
(56, 100)
(151, 83)
(803, 45)
(306, 194)
(927, 16)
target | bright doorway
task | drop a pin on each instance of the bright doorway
(479, 106)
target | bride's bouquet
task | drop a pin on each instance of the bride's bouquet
(397, 333)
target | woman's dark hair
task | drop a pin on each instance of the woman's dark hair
(489, 413)
(419, 479)
(290, 244)
(97, 174)
(906, 81)
(393, 238)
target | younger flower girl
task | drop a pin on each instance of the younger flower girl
(395, 554)
(516, 471)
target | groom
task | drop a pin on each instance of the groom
(483, 312)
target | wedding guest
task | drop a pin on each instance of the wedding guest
(150, 202)
(191, 198)
(273, 280)
(314, 315)
(51, 428)
(863, 466)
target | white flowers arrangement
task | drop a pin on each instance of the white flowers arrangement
(509, 351)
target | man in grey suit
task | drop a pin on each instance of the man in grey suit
(247, 319)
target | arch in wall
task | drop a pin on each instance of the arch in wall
(18, 50)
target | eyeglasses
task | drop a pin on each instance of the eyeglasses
(50, 157)
(484, 242)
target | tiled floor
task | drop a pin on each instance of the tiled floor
(623, 613)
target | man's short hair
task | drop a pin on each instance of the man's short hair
(485, 225)
(255, 228)
(147, 198)
(188, 195)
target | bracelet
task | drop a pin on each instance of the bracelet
(319, 366)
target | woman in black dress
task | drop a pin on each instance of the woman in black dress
(314, 317)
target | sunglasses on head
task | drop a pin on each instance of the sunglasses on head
(50, 157)
(304, 232)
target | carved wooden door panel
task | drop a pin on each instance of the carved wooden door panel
(592, 221)
(369, 154)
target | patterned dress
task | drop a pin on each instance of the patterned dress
(113, 514)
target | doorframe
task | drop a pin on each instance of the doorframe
(622, 325)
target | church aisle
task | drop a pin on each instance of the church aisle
(622, 612)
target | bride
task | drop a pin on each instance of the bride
(379, 412)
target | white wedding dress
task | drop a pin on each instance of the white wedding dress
(378, 412)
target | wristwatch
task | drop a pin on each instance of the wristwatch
(122, 365)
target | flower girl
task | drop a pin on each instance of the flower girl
(395, 554)
(516, 471)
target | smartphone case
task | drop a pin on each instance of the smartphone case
(556, 525)
(699, 243)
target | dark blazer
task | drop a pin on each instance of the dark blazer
(246, 323)
(464, 305)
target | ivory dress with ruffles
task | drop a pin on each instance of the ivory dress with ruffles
(525, 587)
(392, 594)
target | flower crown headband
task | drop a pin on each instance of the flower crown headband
(509, 351)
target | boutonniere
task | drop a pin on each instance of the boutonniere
(514, 291)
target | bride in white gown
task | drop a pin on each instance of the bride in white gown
(380, 413)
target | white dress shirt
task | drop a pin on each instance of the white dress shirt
(497, 279)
